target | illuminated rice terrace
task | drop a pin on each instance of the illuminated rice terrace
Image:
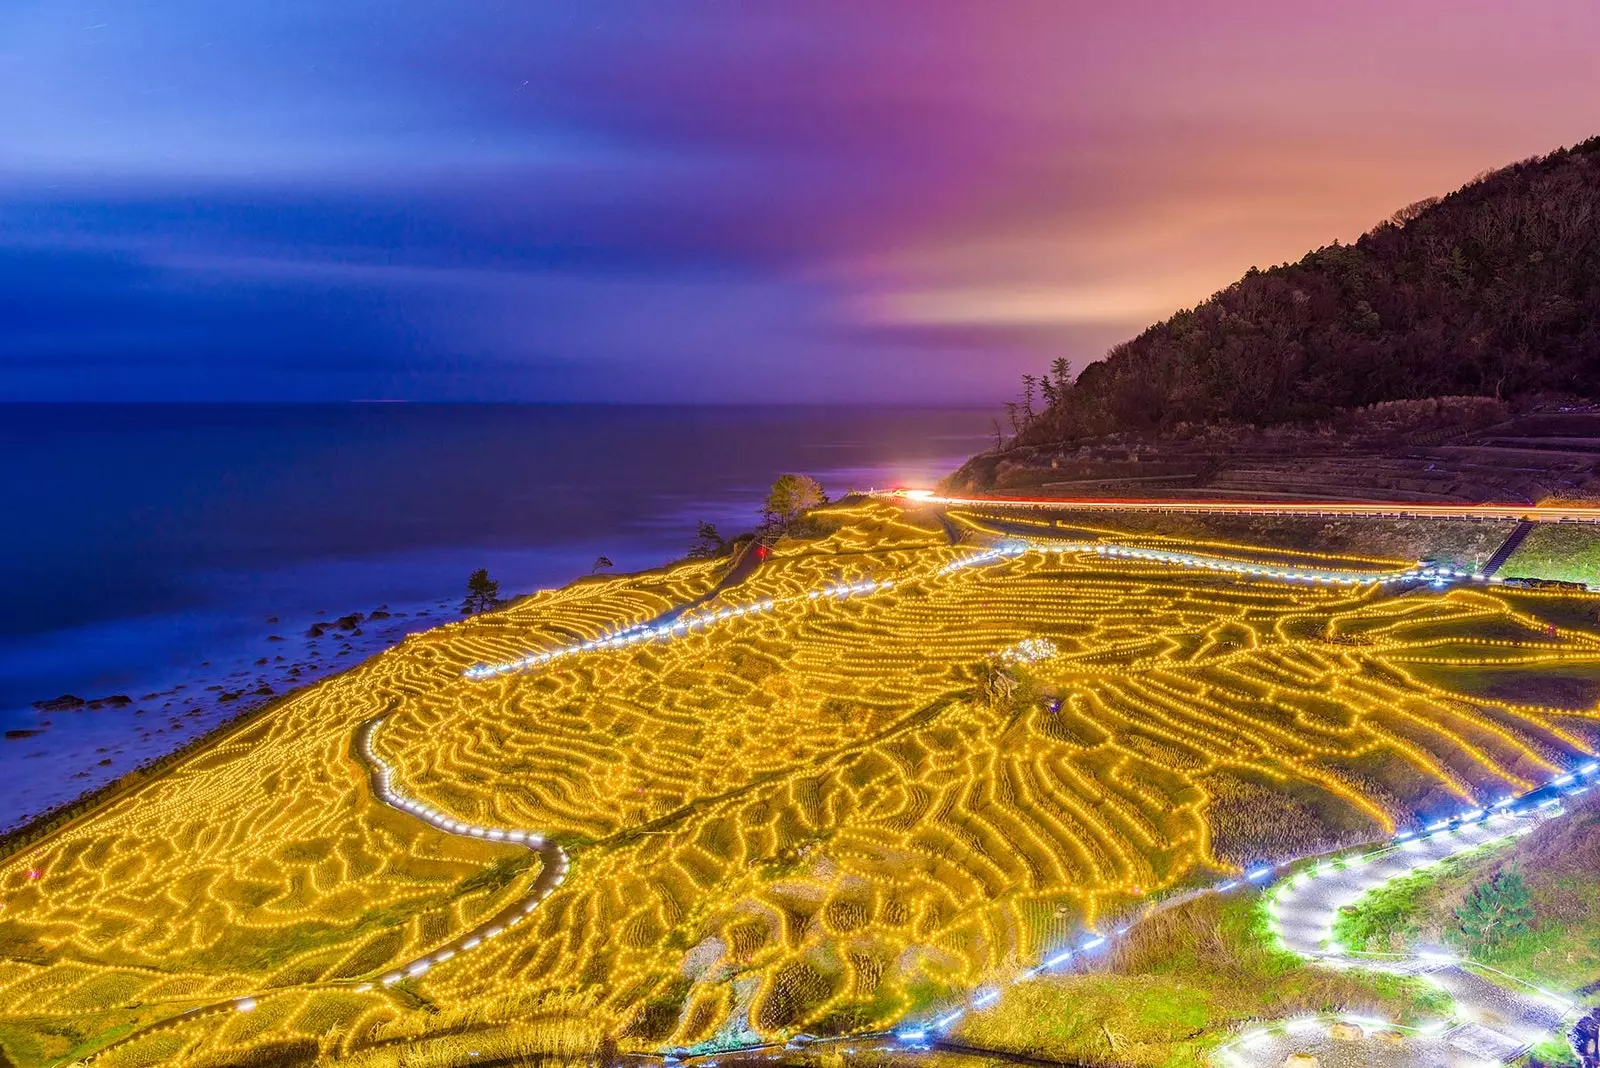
(881, 773)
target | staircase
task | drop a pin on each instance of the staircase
(1507, 547)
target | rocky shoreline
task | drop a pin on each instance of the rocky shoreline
(94, 741)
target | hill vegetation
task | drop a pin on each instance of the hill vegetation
(1491, 291)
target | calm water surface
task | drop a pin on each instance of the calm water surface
(144, 549)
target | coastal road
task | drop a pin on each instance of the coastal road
(1549, 513)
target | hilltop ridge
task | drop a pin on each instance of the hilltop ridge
(1453, 319)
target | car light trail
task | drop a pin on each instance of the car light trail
(1396, 510)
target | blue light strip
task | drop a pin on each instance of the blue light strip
(643, 632)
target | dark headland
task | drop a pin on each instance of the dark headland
(1451, 353)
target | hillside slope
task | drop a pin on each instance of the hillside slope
(1493, 290)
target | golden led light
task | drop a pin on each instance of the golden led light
(796, 817)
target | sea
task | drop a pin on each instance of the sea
(166, 567)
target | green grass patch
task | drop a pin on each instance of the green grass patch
(30, 1040)
(1401, 912)
(1560, 861)
(1566, 551)
(1553, 1052)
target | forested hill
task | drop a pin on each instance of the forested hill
(1493, 290)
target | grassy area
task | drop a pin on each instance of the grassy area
(1181, 983)
(1554, 1052)
(1403, 911)
(1560, 862)
(1566, 551)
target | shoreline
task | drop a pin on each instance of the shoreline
(202, 699)
(177, 533)
(32, 828)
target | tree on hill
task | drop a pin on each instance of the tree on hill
(601, 562)
(1491, 291)
(483, 593)
(707, 542)
(790, 498)
(1495, 911)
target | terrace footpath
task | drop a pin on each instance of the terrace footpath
(1493, 1024)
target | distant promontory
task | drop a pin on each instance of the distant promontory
(1473, 310)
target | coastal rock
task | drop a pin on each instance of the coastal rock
(349, 622)
(316, 630)
(116, 700)
(65, 703)
(18, 735)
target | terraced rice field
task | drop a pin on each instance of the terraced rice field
(813, 816)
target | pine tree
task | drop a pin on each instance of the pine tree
(707, 542)
(483, 593)
(1495, 911)
(1061, 373)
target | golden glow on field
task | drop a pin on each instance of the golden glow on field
(805, 818)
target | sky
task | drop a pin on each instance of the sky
(729, 202)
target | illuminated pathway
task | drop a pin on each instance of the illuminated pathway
(675, 625)
(1492, 1024)
(1310, 918)
(1400, 510)
(551, 856)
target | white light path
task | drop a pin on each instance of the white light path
(552, 855)
(637, 633)
(1303, 909)
(686, 624)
